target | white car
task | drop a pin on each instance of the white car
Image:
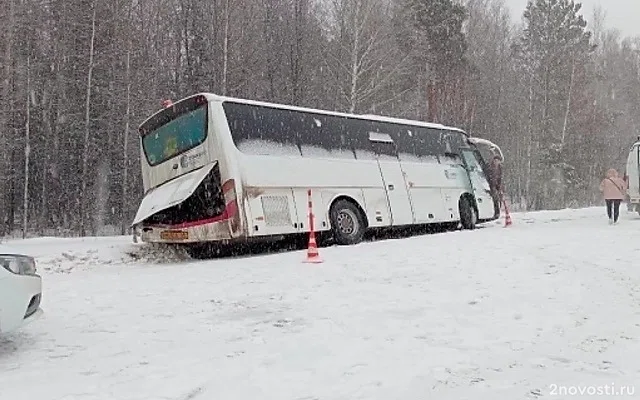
(20, 290)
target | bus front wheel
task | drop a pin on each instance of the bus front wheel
(347, 223)
(468, 214)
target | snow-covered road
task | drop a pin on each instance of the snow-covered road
(548, 306)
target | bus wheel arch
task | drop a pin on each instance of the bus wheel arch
(348, 220)
(468, 211)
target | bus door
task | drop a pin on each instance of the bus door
(393, 179)
(479, 183)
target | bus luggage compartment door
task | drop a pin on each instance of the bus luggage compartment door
(272, 211)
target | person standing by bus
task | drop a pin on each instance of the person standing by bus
(495, 181)
(613, 189)
(627, 198)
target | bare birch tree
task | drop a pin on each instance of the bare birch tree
(87, 128)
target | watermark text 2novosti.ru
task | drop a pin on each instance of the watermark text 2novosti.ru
(592, 390)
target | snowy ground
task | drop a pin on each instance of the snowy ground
(548, 306)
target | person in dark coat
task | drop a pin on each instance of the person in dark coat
(495, 181)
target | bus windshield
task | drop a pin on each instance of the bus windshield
(176, 136)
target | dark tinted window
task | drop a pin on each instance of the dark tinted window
(326, 136)
(263, 130)
(407, 142)
(387, 150)
(240, 122)
(273, 131)
(430, 144)
(358, 132)
(417, 144)
(453, 141)
(383, 146)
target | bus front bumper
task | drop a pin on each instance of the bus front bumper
(215, 231)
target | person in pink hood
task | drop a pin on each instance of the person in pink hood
(613, 189)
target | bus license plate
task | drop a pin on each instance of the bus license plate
(174, 235)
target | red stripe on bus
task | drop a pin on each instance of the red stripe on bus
(229, 211)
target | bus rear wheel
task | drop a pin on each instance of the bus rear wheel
(347, 223)
(468, 214)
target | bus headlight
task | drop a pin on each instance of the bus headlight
(18, 264)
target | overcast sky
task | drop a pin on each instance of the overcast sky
(623, 15)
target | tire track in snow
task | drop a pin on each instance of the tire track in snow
(193, 394)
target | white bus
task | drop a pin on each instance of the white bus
(219, 170)
(632, 175)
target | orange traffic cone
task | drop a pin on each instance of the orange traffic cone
(313, 256)
(507, 220)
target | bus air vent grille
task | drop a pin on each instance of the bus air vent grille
(276, 210)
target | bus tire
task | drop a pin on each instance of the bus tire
(468, 214)
(347, 223)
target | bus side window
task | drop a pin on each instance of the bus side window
(383, 145)
(275, 129)
(359, 130)
(406, 141)
(452, 142)
(260, 130)
(374, 141)
(429, 147)
(237, 116)
(325, 136)
(417, 144)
